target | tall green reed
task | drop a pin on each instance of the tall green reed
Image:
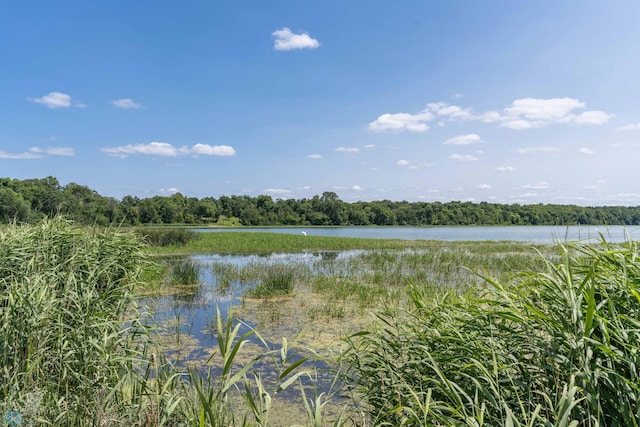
(64, 293)
(558, 347)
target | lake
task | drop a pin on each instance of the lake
(528, 233)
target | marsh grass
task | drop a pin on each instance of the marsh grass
(184, 272)
(74, 349)
(166, 236)
(63, 294)
(554, 347)
(276, 280)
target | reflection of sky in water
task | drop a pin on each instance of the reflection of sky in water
(189, 316)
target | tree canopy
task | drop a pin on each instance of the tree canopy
(32, 199)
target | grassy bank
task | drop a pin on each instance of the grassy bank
(232, 242)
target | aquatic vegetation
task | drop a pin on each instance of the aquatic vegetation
(276, 280)
(184, 271)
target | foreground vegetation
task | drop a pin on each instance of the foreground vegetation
(556, 345)
(30, 200)
(557, 348)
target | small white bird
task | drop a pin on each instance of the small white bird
(304, 233)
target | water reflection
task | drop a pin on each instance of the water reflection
(186, 314)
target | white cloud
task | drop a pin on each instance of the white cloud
(542, 185)
(471, 138)
(53, 100)
(285, 39)
(442, 109)
(25, 155)
(592, 118)
(370, 146)
(399, 122)
(212, 150)
(357, 188)
(484, 187)
(60, 151)
(553, 109)
(167, 150)
(529, 113)
(633, 126)
(277, 191)
(126, 103)
(463, 157)
(587, 151)
(350, 150)
(489, 117)
(413, 164)
(39, 153)
(152, 148)
(314, 156)
(527, 150)
(505, 169)
(525, 113)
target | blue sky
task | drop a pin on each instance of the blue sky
(498, 101)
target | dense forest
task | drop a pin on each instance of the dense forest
(30, 200)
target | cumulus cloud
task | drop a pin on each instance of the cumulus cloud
(463, 157)
(399, 122)
(210, 150)
(527, 113)
(285, 39)
(126, 104)
(314, 156)
(167, 150)
(349, 150)
(471, 138)
(483, 187)
(357, 188)
(403, 163)
(39, 153)
(505, 169)
(587, 151)
(453, 112)
(53, 100)
(633, 126)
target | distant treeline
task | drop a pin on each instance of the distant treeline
(32, 199)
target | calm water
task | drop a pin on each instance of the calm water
(529, 233)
